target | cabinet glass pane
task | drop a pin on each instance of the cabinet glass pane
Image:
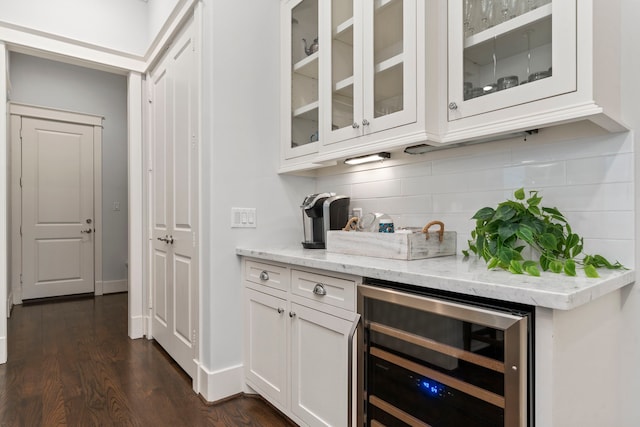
(342, 114)
(304, 75)
(388, 48)
(507, 43)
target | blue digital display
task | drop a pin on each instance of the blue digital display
(432, 388)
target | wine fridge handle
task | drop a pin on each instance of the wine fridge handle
(352, 332)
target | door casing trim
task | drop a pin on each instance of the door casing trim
(17, 112)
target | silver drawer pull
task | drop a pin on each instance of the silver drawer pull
(319, 289)
(280, 310)
(264, 275)
(292, 314)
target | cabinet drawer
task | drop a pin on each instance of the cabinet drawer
(326, 289)
(273, 276)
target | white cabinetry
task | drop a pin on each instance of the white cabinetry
(371, 52)
(360, 88)
(298, 338)
(531, 64)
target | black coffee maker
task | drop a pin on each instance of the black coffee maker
(322, 212)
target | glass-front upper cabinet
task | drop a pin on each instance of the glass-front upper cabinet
(509, 52)
(301, 125)
(372, 66)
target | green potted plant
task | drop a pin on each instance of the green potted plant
(502, 234)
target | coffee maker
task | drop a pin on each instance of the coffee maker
(322, 212)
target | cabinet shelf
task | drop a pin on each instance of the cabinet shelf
(387, 64)
(344, 32)
(308, 66)
(308, 112)
(536, 25)
(344, 87)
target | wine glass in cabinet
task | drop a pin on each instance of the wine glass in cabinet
(301, 106)
(504, 53)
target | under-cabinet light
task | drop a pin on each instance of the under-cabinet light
(424, 148)
(368, 158)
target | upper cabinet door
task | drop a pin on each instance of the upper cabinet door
(504, 53)
(372, 71)
(301, 118)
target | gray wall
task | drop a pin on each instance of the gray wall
(46, 83)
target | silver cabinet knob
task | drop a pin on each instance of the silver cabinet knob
(280, 310)
(365, 122)
(292, 314)
(453, 106)
(264, 275)
(88, 231)
(319, 289)
(355, 125)
(169, 239)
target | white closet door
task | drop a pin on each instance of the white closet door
(174, 201)
(57, 208)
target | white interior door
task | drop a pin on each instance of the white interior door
(57, 208)
(174, 198)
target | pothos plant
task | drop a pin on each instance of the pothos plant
(501, 235)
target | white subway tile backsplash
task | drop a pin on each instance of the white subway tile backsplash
(379, 189)
(597, 197)
(535, 176)
(600, 169)
(590, 180)
(464, 164)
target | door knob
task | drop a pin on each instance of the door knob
(88, 231)
(453, 106)
(163, 239)
(355, 125)
(89, 221)
(365, 122)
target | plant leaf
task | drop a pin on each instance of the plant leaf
(528, 263)
(519, 194)
(484, 214)
(534, 201)
(493, 263)
(532, 270)
(504, 212)
(515, 267)
(556, 266)
(525, 233)
(591, 271)
(548, 241)
(570, 267)
(465, 253)
(507, 229)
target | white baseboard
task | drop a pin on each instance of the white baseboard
(9, 303)
(111, 286)
(214, 386)
(3, 349)
(136, 327)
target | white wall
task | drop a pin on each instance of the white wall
(240, 149)
(52, 84)
(158, 12)
(122, 25)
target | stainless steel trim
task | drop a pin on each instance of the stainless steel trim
(467, 313)
(352, 332)
(264, 275)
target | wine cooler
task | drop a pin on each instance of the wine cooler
(441, 360)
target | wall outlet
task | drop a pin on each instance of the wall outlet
(243, 218)
(116, 206)
(357, 212)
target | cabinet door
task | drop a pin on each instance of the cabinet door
(300, 110)
(390, 69)
(372, 67)
(504, 53)
(319, 363)
(266, 346)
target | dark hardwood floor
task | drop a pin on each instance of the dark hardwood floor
(71, 363)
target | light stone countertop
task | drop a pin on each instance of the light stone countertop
(467, 276)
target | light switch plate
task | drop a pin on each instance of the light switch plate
(243, 218)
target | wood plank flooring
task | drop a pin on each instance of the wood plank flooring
(71, 363)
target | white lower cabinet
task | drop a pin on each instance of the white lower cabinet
(297, 345)
(319, 371)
